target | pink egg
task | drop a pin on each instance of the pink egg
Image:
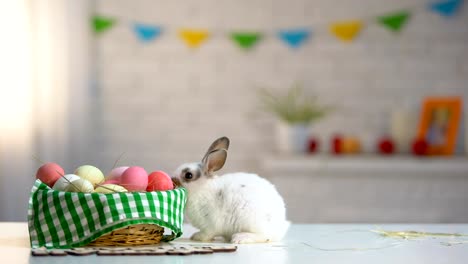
(49, 173)
(116, 173)
(111, 181)
(159, 181)
(134, 179)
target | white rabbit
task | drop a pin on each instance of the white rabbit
(241, 207)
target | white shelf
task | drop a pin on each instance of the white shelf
(367, 163)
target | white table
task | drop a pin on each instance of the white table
(326, 243)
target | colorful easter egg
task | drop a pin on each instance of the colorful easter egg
(112, 181)
(159, 181)
(134, 179)
(351, 145)
(386, 146)
(49, 173)
(80, 185)
(419, 147)
(110, 188)
(62, 183)
(90, 173)
(116, 173)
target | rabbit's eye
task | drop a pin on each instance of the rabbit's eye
(188, 175)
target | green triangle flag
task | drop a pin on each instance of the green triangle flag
(246, 40)
(395, 21)
(101, 24)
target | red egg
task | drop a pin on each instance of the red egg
(419, 147)
(386, 146)
(159, 181)
(49, 173)
(313, 145)
(134, 179)
(337, 144)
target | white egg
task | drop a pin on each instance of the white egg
(62, 183)
(110, 188)
(80, 185)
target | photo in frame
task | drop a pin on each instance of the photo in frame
(439, 124)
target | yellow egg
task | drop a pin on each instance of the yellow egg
(351, 145)
(90, 173)
(80, 185)
(110, 188)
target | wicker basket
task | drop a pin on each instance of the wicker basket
(67, 220)
(134, 235)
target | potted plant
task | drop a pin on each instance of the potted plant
(295, 111)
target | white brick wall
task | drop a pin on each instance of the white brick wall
(162, 104)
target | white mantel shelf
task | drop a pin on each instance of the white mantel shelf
(457, 165)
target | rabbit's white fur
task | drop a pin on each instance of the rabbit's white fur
(241, 207)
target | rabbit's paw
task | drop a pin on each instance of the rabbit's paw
(246, 238)
(202, 236)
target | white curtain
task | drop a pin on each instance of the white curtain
(44, 58)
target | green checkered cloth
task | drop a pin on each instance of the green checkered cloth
(65, 219)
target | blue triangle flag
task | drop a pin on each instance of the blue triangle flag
(446, 8)
(294, 37)
(146, 33)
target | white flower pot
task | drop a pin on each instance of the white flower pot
(292, 138)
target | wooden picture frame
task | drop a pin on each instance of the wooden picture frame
(439, 124)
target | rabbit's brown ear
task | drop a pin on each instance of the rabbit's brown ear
(220, 143)
(214, 160)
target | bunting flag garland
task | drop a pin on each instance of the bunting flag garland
(294, 38)
(346, 31)
(246, 40)
(146, 33)
(193, 38)
(101, 24)
(446, 8)
(395, 21)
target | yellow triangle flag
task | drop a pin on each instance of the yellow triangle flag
(194, 38)
(346, 31)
